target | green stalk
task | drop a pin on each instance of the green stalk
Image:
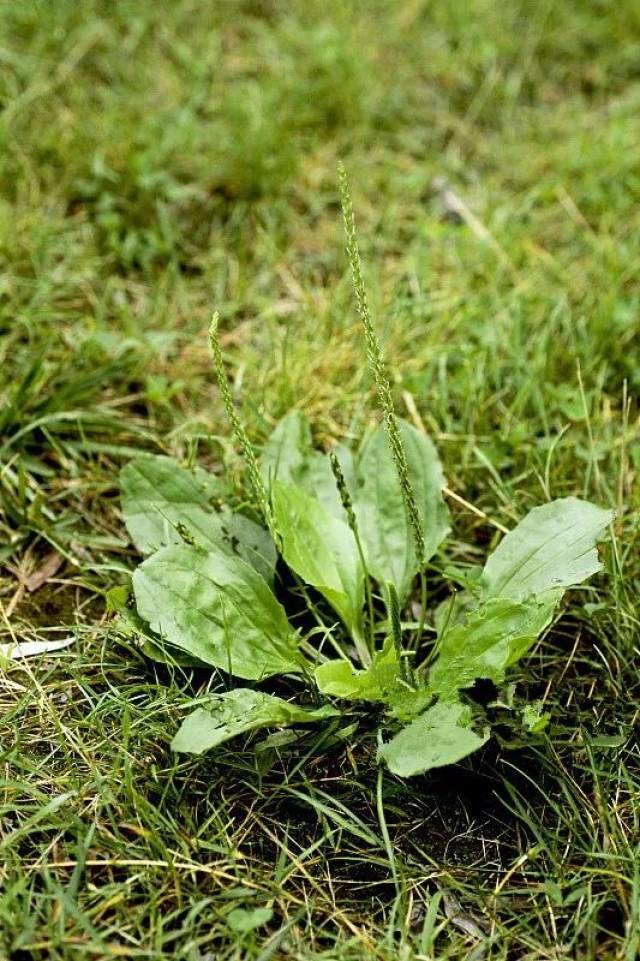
(393, 606)
(248, 453)
(383, 388)
(352, 521)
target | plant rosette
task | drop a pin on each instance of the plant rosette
(355, 529)
(205, 594)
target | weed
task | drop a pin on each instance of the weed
(212, 131)
(205, 590)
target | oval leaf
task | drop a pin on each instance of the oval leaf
(218, 609)
(163, 503)
(286, 454)
(238, 712)
(442, 735)
(243, 920)
(289, 457)
(552, 548)
(489, 639)
(382, 518)
(322, 550)
(158, 494)
(253, 543)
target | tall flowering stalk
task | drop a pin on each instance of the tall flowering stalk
(246, 449)
(378, 371)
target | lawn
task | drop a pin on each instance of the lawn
(162, 161)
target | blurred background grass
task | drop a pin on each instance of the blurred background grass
(160, 161)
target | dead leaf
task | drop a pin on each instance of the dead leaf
(48, 569)
(464, 922)
(33, 648)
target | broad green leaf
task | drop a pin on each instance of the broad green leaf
(253, 543)
(132, 626)
(163, 503)
(320, 482)
(289, 457)
(404, 705)
(217, 608)
(384, 526)
(487, 641)
(378, 682)
(238, 712)
(286, 454)
(440, 736)
(524, 579)
(553, 547)
(158, 494)
(321, 549)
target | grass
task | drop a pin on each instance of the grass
(157, 163)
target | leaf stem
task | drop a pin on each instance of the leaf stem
(352, 520)
(423, 607)
(396, 629)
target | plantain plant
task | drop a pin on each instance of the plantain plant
(356, 531)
